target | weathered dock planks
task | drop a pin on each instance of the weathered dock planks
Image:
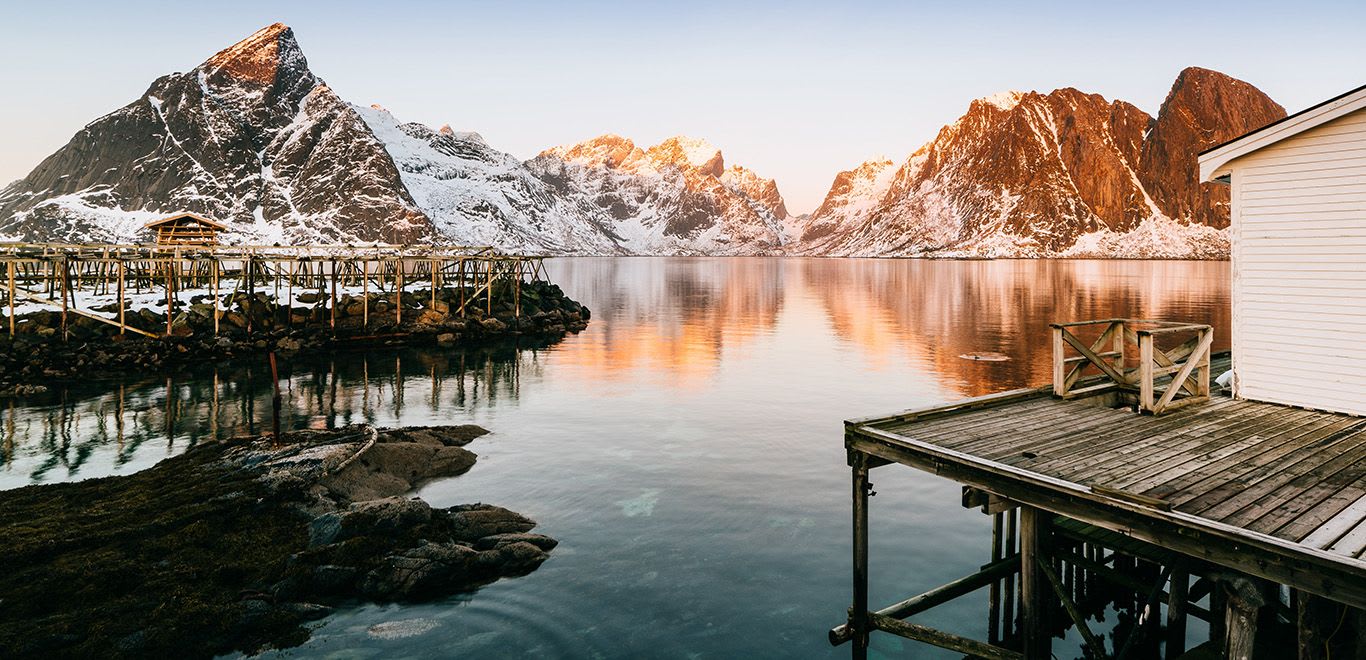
(1216, 487)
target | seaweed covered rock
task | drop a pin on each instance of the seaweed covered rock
(40, 354)
(234, 545)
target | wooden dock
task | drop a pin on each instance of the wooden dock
(1241, 494)
(60, 276)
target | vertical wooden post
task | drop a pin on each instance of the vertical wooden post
(66, 284)
(1218, 605)
(289, 293)
(1176, 613)
(214, 283)
(122, 326)
(1117, 345)
(334, 295)
(1059, 363)
(460, 279)
(488, 287)
(170, 311)
(1145, 372)
(9, 267)
(433, 305)
(1203, 379)
(1008, 598)
(517, 291)
(1316, 620)
(365, 293)
(1035, 604)
(994, 595)
(398, 293)
(858, 613)
(1246, 598)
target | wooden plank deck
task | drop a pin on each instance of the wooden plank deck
(1272, 490)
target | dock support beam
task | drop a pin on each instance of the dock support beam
(1034, 587)
(1246, 598)
(1176, 613)
(858, 613)
(1325, 628)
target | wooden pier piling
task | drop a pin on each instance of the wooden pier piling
(68, 276)
(1096, 505)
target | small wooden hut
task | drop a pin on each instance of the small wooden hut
(186, 229)
(1298, 232)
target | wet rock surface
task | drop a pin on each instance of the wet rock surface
(40, 354)
(235, 545)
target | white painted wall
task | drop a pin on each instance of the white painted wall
(1299, 269)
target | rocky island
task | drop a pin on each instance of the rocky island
(236, 544)
(38, 354)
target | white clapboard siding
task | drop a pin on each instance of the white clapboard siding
(1299, 268)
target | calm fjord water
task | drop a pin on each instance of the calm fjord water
(686, 449)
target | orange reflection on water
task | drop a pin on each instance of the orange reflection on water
(675, 318)
(670, 318)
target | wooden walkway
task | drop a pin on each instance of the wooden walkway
(1270, 490)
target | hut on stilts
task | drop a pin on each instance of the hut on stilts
(1130, 483)
(184, 229)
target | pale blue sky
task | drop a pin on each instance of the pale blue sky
(795, 90)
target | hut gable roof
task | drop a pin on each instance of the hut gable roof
(172, 219)
(1213, 160)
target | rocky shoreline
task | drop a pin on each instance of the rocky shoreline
(235, 545)
(37, 355)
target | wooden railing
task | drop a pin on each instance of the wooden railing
(1162, 379)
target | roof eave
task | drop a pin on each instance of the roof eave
(1214, 162)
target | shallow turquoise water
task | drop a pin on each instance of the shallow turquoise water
(686, 449)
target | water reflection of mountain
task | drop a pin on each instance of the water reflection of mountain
(674, 316)
(678, 316)
(102, 428)
(663, 324)
(933, 312)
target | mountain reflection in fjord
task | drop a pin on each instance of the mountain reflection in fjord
(686, 449)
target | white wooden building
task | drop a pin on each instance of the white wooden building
(1298, 237)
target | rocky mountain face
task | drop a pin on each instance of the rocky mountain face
(676, 197)
(474, 194)
(253, 138)
(250, 137)
(1203, 109)
(1058, 174)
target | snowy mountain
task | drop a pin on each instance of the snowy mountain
(253, 138)
(676, 197)
(474, 194)
(250, 137)
(1058, 174)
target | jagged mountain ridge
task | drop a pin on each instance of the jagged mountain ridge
(252, 137)
(676, 197)
(1058, 174)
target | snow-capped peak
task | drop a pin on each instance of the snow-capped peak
(259, 56)
(695, 153)
(1003, 100)
(608, 149)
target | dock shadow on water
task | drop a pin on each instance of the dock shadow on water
(686, 449)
